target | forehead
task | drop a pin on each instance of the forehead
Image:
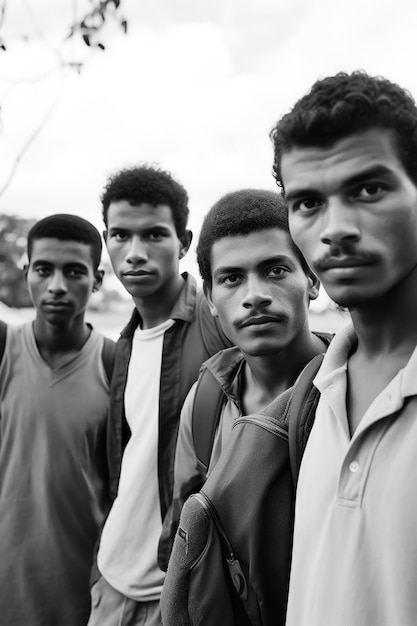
(61, 252)
(145, 215)
(311, 167)
(253, 249)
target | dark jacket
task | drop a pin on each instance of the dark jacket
(250, 494)
(194, 337)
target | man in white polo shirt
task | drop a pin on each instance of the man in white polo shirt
(346, 159)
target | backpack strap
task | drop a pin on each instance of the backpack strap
(108, 355)
(207, 406)
(301, 413)
(3, 334)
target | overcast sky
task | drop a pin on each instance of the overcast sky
(196, 85)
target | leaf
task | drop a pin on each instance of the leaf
(86, 40)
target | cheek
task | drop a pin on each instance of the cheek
(402, 248)
(226, 312)
(303, 238)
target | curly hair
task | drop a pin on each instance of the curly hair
(150, 184)
(66, 227)
(241, 213)
(344, 104)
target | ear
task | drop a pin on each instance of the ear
(25, 270)
(185, 243)
(313, 285)
(105, 232)
(207, 293)
(98, 279)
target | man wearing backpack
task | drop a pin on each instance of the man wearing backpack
(346, 159)
(54, 389)
(259, 286)
(158, 358)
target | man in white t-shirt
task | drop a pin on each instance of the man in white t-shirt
(346, 159)
(158, 358)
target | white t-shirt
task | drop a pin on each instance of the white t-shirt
(127, 557)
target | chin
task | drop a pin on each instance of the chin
(263, 350)
(353, 300)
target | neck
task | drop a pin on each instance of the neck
(157, 308)
(267, 376)
(388, 324)
(55, 342)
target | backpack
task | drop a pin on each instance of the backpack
(231, 555)
(207, 407)
(108, 352)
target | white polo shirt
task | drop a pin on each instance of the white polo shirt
(355, 540)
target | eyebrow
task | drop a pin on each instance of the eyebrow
(371, 172)
(66, 265)
(142, 229)
(274, 260)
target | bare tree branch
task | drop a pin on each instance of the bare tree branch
(29, 142)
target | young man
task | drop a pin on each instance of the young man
(54, 404)
(259, 286)
(158, 358)
(346, 159)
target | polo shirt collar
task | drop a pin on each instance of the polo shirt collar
(334, 365)
(336, 356)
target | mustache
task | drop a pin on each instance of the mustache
(259, 318)
(344, 257)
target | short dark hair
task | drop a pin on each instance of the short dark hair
(150, 184)
(345, 104)
(67, 227)
(241, 213)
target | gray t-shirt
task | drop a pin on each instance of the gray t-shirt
(53, 480)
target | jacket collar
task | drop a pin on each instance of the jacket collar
(227, 366)
(183, 308)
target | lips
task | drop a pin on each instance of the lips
(137, 273)
(57, 305)
(259, 320)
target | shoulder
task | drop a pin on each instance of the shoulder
(224, 360)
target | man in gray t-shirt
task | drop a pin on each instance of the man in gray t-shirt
(54, 405)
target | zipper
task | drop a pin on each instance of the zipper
(235, 569)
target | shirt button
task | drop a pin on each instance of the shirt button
(354, 466)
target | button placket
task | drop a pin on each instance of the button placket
(357, 464)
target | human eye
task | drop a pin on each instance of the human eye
(42, 271)
(305, 205)
(119, 235)
(370, 191)
(75, 272)
(230, 280)
(155, 235)
(277, 271)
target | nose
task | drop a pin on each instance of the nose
(257, 294)
(57, 283)
(340, 224)
(137, 251)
